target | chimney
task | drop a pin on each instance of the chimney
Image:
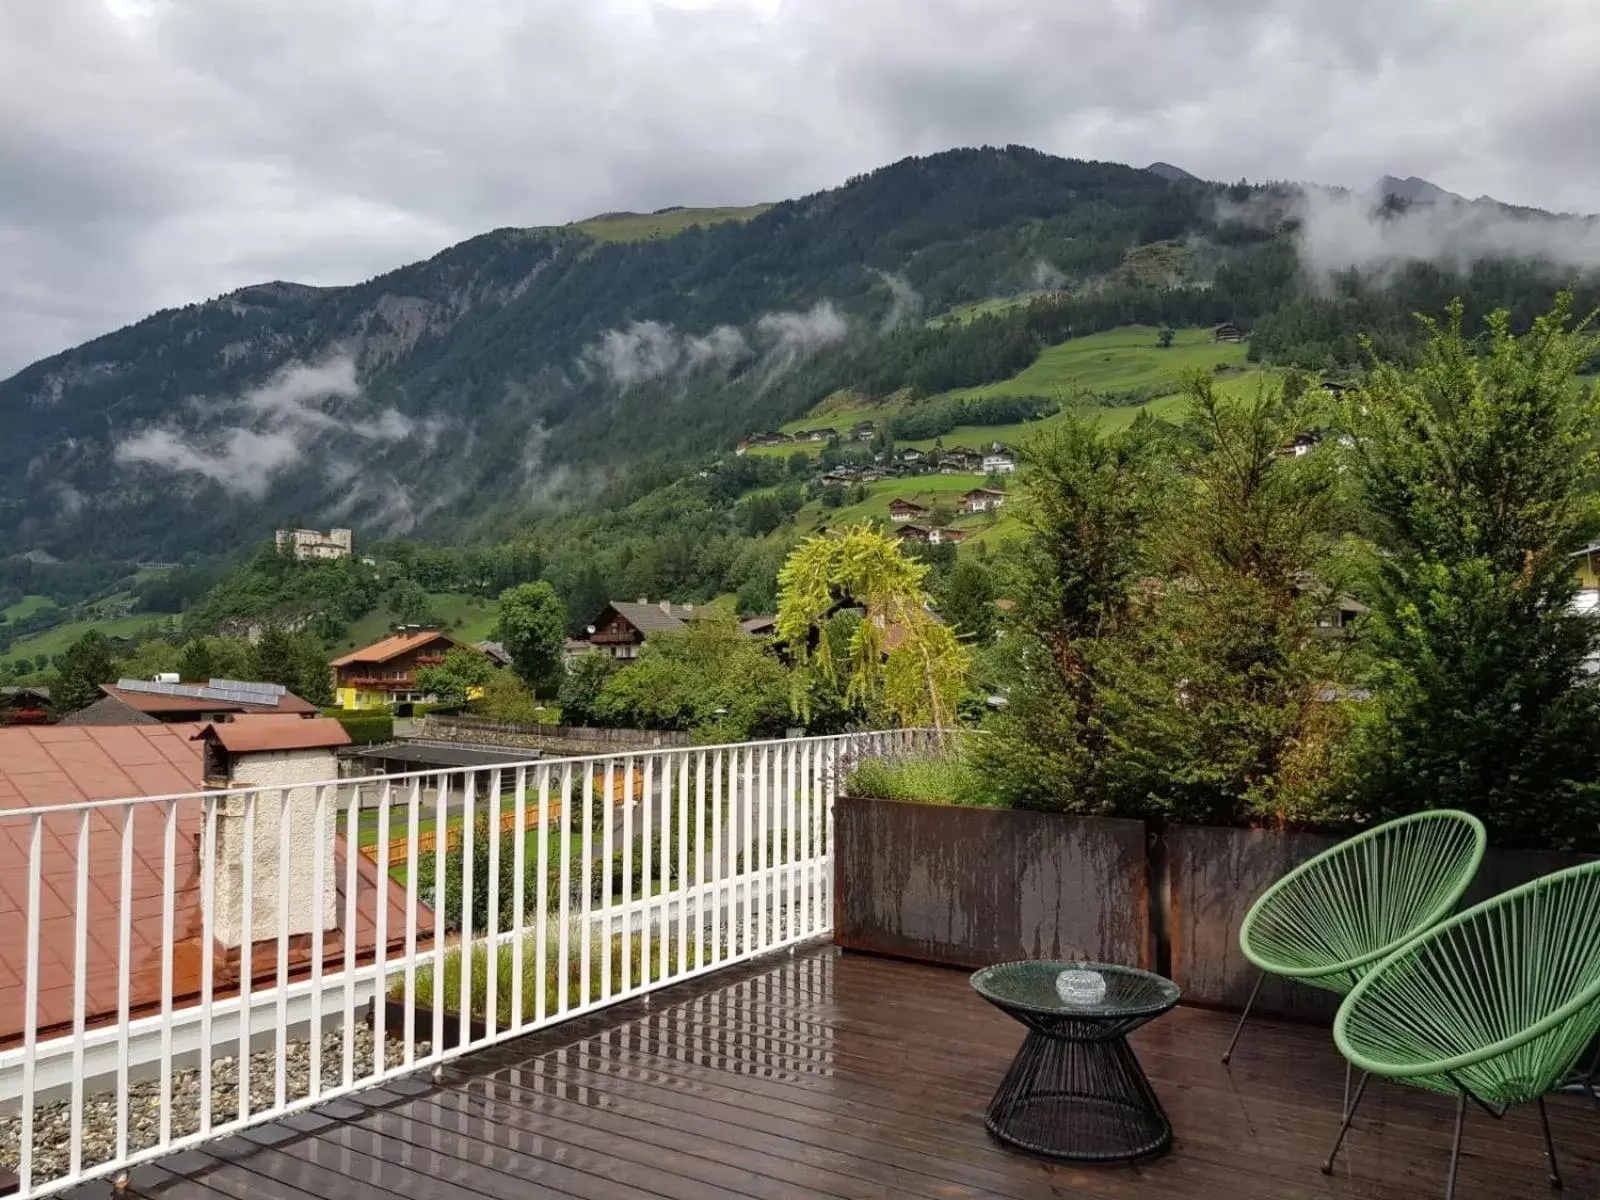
(644, 599)
(666, 607)
(282, 779)
(689, 609)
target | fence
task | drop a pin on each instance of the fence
(179, 967)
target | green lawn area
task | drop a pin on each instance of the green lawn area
(27, 606)
(58, 638)
(961, 314)
(642, 227)
(467, 618)
(1114, 361)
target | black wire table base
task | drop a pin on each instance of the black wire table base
(1078, 1101)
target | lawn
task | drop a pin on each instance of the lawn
(467, 618)
(27, 606)
(56, 639)
(643, 227)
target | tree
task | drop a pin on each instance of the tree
(195, 661)
(411, 605)
(1478, 470)
(507, 698)
(941, 514)
(1087, 502)
(581, 684)
(313, 676)
(1226, 699)
(966, 600)
(84, 666)
(1164, 338)
(275, 659)
(711, 678)
(900, 656)
(533, 626)
(462, 672)
(150, 658)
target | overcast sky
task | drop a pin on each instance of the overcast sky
(154, 152)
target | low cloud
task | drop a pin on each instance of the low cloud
(793, 336)
(648, 350)
(905, 302)
(273, 428)
(1046, 276)
(1339, 230)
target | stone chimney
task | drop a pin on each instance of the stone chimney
(280, 758)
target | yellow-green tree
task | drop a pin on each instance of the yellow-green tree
(900, 657)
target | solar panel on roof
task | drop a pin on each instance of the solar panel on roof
(243, 685)
(150, 687)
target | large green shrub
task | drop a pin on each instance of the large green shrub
(365, 729)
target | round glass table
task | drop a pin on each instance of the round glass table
(1075, 1091)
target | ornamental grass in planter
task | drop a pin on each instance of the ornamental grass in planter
(934, 777)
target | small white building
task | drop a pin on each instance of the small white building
(314, 544)
(999, 462)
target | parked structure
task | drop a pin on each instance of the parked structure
(384, 673)
(147, 701)
(314, 544)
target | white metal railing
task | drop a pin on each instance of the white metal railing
(219, 956)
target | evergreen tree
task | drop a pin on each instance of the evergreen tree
(84, 666)
(196, 662)
(1478, 470)
(275, 659)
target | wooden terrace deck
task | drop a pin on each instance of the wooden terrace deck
(853, 1077)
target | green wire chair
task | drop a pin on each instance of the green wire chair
(1331, 919)
(1495, 1005)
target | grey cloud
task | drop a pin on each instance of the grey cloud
(905, 302)
(792, 336)
(157, 152)
(257, 436)
(651, 350)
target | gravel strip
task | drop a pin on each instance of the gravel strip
(52, 1122)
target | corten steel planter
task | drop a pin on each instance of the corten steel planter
(1214, 874)
(969, 887)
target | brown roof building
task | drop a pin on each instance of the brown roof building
(143, 702)
(384, 673)
(622, 626)
(49, 765)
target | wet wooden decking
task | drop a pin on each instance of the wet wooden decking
(822, 1075)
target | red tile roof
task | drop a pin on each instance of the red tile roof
(276, 733)
(392, 647)
(43, 766)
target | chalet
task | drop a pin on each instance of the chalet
(24, 704)
(763, 439)
(1341, 613)
(842, 476)
(960, 460)
(1227, 332)
(999, 461)
(623, 627)
(982, 500)
(862, 431)
(909, 455)
(825, 434)
(948, 533)
(385, 672)
(760, 627)
(1299, 445)
(914, 533)
(496, 651)
(905, 510)
(169, 700)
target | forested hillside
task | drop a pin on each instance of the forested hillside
(532, 371)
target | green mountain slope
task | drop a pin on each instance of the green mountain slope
(542, 369)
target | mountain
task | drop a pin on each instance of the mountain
(532, 370)
(1171, 173)
(1415, 191)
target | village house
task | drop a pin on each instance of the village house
(384, 673)
(948, 533)
(909, 455)
(862, 431)
(1300, 445)
(999, 461)
(1227, 332)
(763, 439)
(982, 499)
(24, 704)
(168, 699)
(914, 533)
(314, 544)
(825, 434)
(905, 510)
(960, 460)
(622, 628)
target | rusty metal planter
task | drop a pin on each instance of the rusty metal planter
(968, 887)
